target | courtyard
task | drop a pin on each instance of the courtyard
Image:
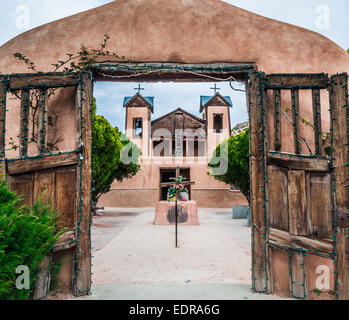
(134, 259)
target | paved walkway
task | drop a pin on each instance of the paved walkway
(134, 259)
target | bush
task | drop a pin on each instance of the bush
(26, 236)
(238, 163)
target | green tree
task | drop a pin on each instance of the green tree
(109, 146)
(238, 162)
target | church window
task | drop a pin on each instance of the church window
(137, 127)
(218, 122)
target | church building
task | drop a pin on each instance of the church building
(177, 139)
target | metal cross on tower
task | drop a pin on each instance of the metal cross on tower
(139, 88)
(215, 88)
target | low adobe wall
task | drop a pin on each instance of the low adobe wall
(148, 198)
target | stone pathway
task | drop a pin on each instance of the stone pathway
(134, 259)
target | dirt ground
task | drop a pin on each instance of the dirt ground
(129, 249)
(133, 259)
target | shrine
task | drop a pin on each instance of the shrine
(178, 209)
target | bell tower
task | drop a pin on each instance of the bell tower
(215, 111)
(138, 120)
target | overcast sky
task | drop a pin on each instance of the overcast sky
(328, 17)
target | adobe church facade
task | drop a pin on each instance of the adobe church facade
(178, 139)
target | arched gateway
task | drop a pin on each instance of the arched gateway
(299, 180)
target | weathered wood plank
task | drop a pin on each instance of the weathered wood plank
(317, 121)
(278, 198)
(295, 118)
(23, 185)
(82, 283)
(296, 163)
(24, 121)
(339, 114)
(2, 116)
(173, 71)
(258, 163)
(2, 128)
(319, 205)
(65, 242)
(284, 239)
(298, 284)
(42, 284)
(297, 81)
(42, 121)
(47, 80)
(44, 187)
(277, 119)
(65, 197)
(297, 203)
(21, 166)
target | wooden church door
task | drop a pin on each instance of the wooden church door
(299, 200)
(63, 176)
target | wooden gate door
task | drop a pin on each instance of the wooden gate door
(300, 198)
(34, 169)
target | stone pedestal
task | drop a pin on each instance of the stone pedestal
(187, 213)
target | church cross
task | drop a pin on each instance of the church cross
(139, 88)
(215, 88)
(171, 184)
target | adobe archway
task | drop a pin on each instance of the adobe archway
(186, 32)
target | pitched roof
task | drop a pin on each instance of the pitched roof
(204, 100)
(179, 109)
(148, 100)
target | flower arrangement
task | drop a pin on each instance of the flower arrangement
(179, 187)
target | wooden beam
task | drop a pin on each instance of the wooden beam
(36, 81)
(295, 118)
(2, 116)
(258, 147)
(65, 242)
(2, 127)
(317, 121)
(339, 114)
(297, 163)
(284, 239)
(171, 71)
(297, 81)
(24, 122)
(15, 167)
(42, 121)
(277, 119)
(82, 281)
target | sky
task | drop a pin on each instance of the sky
(328, 17)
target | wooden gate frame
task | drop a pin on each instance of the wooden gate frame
(339, 108)
(83, 81)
